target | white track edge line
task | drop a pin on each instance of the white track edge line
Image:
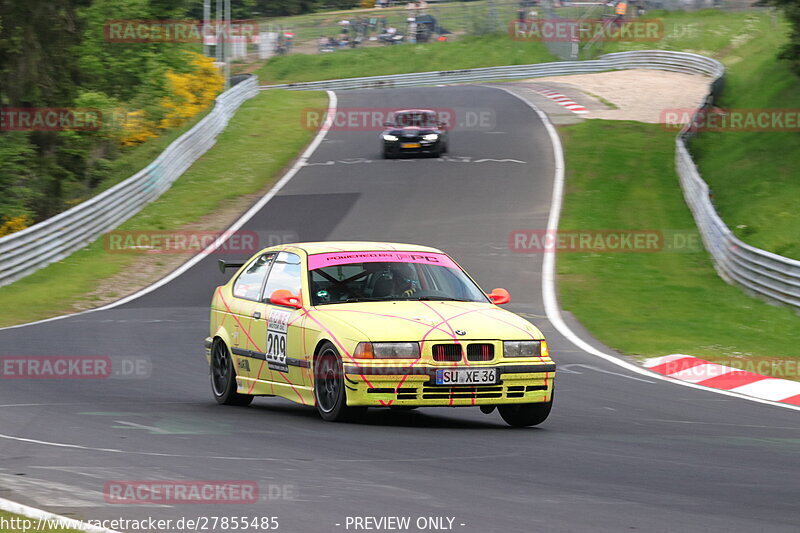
(332, 103)
(552, 310)
(38, 514)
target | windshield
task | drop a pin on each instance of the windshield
(391, 281)
(420, 120)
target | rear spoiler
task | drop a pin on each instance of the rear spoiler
(223, 265)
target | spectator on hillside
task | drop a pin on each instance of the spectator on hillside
(620, 11)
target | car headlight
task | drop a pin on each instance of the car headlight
(387, 350)
(524, 348)
(431, 136)
(388, 137)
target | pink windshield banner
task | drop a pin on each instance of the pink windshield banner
(379, 256)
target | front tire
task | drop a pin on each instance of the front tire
(526, 414)
(223, 377)
(330, 394)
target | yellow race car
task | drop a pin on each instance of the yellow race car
(344, 326)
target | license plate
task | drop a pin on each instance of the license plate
(410, 145)
(466, 376)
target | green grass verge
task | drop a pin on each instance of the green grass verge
(713, 33)
(22, 524)
(469, 52)
(620, 177)
(265, 135)
(754, 174)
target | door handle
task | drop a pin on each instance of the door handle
(257, 315)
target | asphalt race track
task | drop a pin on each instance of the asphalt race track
(620, 452)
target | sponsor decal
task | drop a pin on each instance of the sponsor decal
(379, 256)
(277, 328)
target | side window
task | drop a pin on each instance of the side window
(285, 274)
(248, 284)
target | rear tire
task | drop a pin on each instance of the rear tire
(223, 377)
(330, 394)
(526, 414)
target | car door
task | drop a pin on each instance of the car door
(247, 310)
(282, 325)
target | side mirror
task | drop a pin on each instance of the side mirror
(499, 296)
(285, 298)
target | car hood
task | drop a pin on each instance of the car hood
(412, 130)
(428, 320)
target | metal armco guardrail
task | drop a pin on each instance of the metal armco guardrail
(26, 251)
(762, 273)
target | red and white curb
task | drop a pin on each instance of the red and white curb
(562, 100)
(700, 372)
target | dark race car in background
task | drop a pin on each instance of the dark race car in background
(414, 131)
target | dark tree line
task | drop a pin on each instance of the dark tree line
(791, 51)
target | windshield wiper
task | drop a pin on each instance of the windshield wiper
(439, 298)
(353, 300)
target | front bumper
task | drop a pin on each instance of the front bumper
(425, 147)
(415, 386)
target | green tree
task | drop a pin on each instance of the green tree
(124, 70)
(17, 158)
(790, 51)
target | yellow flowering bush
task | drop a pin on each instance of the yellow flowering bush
(136, 128)
(191, 92)
(14, 224)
